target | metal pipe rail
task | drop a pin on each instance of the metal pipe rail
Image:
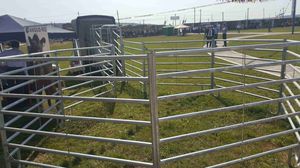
(84, 83)
(118, 50)
(118, 36)
(247, 58)
(22, 100)
(78, 85)
(57, 51)
(254, 40)
(224, 109)
(243, 159)
(268, 70)
(25, 162)
(28, 139)
(195, 41)
(81, 101)
(181, 63)
(293, 53)
(181, 41)
(228, 146)
(232, 88)
(191, 63)
(248, 93)
(292, 109)
(135, 67)
(132, 42)
(292, 94)
(187, 56)
(80, 137)
(133, 48)
(83, 66)
(248, 76)
(11, 121)
(241, 83)
(171, 49)
(221, 69)
(75, 58)
(207, 50)
(80, 155)
(229, 127)
(93, 72)
(24, 83)
(267, 49)
(77, 118)
(189, 77)
(91, 99)
(26, 68)
(74, 78)
(138, 62)
(92, 89)
(183, 84)
(135, 73)
(291, 122)
(12, 137)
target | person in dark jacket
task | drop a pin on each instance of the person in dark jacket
(209, 36)
(215, 34)
(206, 36)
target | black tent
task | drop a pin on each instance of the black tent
(12, 28)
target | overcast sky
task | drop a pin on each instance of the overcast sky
(46, 11)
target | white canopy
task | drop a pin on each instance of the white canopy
(182, 26)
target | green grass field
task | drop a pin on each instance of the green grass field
(141, 112)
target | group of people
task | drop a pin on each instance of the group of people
(212, 33)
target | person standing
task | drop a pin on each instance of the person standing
(224, 32)
(210, 36)
(238, 27)
(206, 31)
(215, 35)
(270, 27)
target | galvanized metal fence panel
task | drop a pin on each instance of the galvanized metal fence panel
(94, 83)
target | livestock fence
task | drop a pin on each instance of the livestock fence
(170, 105)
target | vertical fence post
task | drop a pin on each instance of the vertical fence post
(60, 92)
(290, 155)
(114, 63)
(144, 70)
(282, 76)
(4, 139)
(19, 158)
(123, 62)
(212, 75)
(153, 109)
